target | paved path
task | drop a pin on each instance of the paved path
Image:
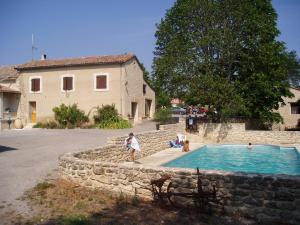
(27, 156)
(167, 155)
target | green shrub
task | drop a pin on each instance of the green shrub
(107, 118)
(106, 113)
(69, 116)
(48, 125)
(74, 220)
(121, 124)
(43, 185)
(163, 115)
(135, 201)
(38, 125)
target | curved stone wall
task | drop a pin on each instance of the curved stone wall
(262, 198)
(265, 199)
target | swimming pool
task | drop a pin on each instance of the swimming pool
(268, 159)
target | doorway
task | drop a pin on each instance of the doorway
(148, 107)
(32, 112)
(134, 111)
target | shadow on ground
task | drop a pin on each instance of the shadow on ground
(142, 214)
(6, 148)
(62, 202)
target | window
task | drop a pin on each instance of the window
(144, 88)
(35, 84)
(295, 108)
(101, 82)
(67, 83)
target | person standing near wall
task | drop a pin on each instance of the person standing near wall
(132, 145)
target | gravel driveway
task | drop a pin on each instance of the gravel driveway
(27, 156)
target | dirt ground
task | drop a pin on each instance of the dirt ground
(28, 156)
(61, 202)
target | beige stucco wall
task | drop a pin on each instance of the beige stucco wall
(84, 94)
(290, 120)
(133, 90)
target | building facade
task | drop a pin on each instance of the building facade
(89, 82)
(290, 112)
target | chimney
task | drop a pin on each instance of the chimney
(43, 57)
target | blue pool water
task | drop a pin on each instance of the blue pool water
(260, 159)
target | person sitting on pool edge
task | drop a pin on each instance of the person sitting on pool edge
(177, 143)
(186, 146)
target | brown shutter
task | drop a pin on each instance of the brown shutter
(67, 83)
(64, 83)
(32, 85)
(101, 82)
(35, 85)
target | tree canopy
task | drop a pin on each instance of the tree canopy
(294, 69)
(224, 54)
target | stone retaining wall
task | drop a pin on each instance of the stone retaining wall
(267, 199)
(177, 127)
(262, 198)
(150, 143)
(236, 133)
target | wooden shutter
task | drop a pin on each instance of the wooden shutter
(101, 82)
(32, 85)
(35, 84)
(67, 83)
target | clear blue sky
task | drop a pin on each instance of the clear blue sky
(66, 28)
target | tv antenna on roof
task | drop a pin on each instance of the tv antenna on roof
(32, 46)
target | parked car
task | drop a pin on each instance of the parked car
(203, 110)
(178, 110)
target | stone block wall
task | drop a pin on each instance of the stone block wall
(176, 128)
(150, 143)
(266, 199)
(236, 133)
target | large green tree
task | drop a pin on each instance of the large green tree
(294, 69)
(224, 54)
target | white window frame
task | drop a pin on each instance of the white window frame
(95, 81)
(62, 82)
(41, 84)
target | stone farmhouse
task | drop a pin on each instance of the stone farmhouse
(30, 91)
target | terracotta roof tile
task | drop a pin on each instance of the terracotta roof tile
(93, 60)
(8, 90)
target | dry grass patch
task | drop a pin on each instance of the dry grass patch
(62, 202)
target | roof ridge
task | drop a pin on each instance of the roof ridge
(84, 57)
(78, 61)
